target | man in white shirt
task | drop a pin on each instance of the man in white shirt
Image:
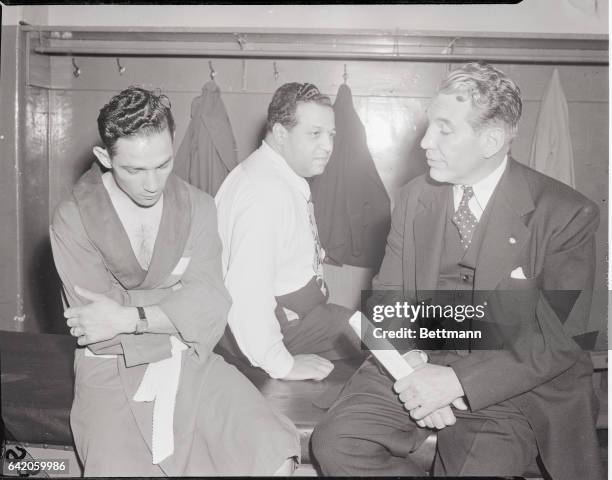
(481, 226)
(272, 258)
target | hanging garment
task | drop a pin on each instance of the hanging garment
(208, 150)
(551, 148)
(352, 207)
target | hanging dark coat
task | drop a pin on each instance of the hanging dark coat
(208, 150)
(352, 207)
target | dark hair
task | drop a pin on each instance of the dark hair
(285, 101)
(134, 111)
(494, 96)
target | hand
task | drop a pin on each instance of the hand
(427, 389)
(309, 367)
(442, 417)
(102, 319)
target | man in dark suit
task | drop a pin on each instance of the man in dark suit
(482, 224)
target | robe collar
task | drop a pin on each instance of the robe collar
(104, 228)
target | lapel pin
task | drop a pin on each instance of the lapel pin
(512, 240)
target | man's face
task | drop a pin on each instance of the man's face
(453, 149)
(309, 143)
(141, 165)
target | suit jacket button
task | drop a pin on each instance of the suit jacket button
(512, 240)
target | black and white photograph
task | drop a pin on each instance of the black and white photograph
(316, 240)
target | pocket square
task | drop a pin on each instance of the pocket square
(518, 273)
(181, 266)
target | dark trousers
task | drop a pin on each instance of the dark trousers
(322, 328)
(367, 432)
(324, 331)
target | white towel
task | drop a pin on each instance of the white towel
(160, 384)
(551, 148)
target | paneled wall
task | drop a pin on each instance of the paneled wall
(389, 96)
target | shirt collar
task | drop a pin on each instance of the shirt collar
(283, 168)
(483, 189)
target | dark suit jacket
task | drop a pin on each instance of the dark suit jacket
(546, 228)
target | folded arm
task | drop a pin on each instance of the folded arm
(80, 264)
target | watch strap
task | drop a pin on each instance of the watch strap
(143, 323)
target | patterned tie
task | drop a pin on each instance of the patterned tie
(319, 252)
(464, 219)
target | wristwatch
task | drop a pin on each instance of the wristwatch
(143, 324)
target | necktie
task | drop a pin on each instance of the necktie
(319, 252)
(464, 219)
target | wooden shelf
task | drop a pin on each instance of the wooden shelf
(319, 44)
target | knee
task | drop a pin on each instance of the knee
(333, 446)
(322, 441)
(327, 445)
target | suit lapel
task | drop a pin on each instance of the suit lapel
(506, 233)
(429, 235)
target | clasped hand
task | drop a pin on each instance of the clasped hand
(102, 319)
(427, 394)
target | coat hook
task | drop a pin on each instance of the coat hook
(120, 67)
(276, 73)
(213, 74)
(345, 75)
(448, 50)
(77, 71)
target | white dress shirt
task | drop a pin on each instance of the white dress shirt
(268, 250)
(483, 190)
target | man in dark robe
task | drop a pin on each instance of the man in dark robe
(139, 256)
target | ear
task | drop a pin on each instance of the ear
(279, 132)
(103, 156)
(492, 140)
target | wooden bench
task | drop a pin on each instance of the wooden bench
(37, 388)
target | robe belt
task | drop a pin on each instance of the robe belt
(160, 384)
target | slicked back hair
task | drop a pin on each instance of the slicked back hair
(284, 103)
(133, 112)
(495, 97)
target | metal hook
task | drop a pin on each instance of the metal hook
(120, 67)
(77, 71)
(448, 50)
(276, 73)
(213, 74)
(345, 75)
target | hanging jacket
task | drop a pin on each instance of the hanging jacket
(551, 148)
(208, 150)
(352, 207)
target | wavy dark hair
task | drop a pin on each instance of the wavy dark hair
(494, 96)
(134, 111)
(284, 103)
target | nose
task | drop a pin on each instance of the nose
(151, 183)
(327, 143)
(427, 140)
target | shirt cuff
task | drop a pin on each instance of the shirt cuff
(279, 361)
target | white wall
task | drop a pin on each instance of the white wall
(530, 16)
(11, 15)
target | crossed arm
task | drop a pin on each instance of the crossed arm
(102, 311)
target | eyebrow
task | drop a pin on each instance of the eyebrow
(143, 168)
(444, 121)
